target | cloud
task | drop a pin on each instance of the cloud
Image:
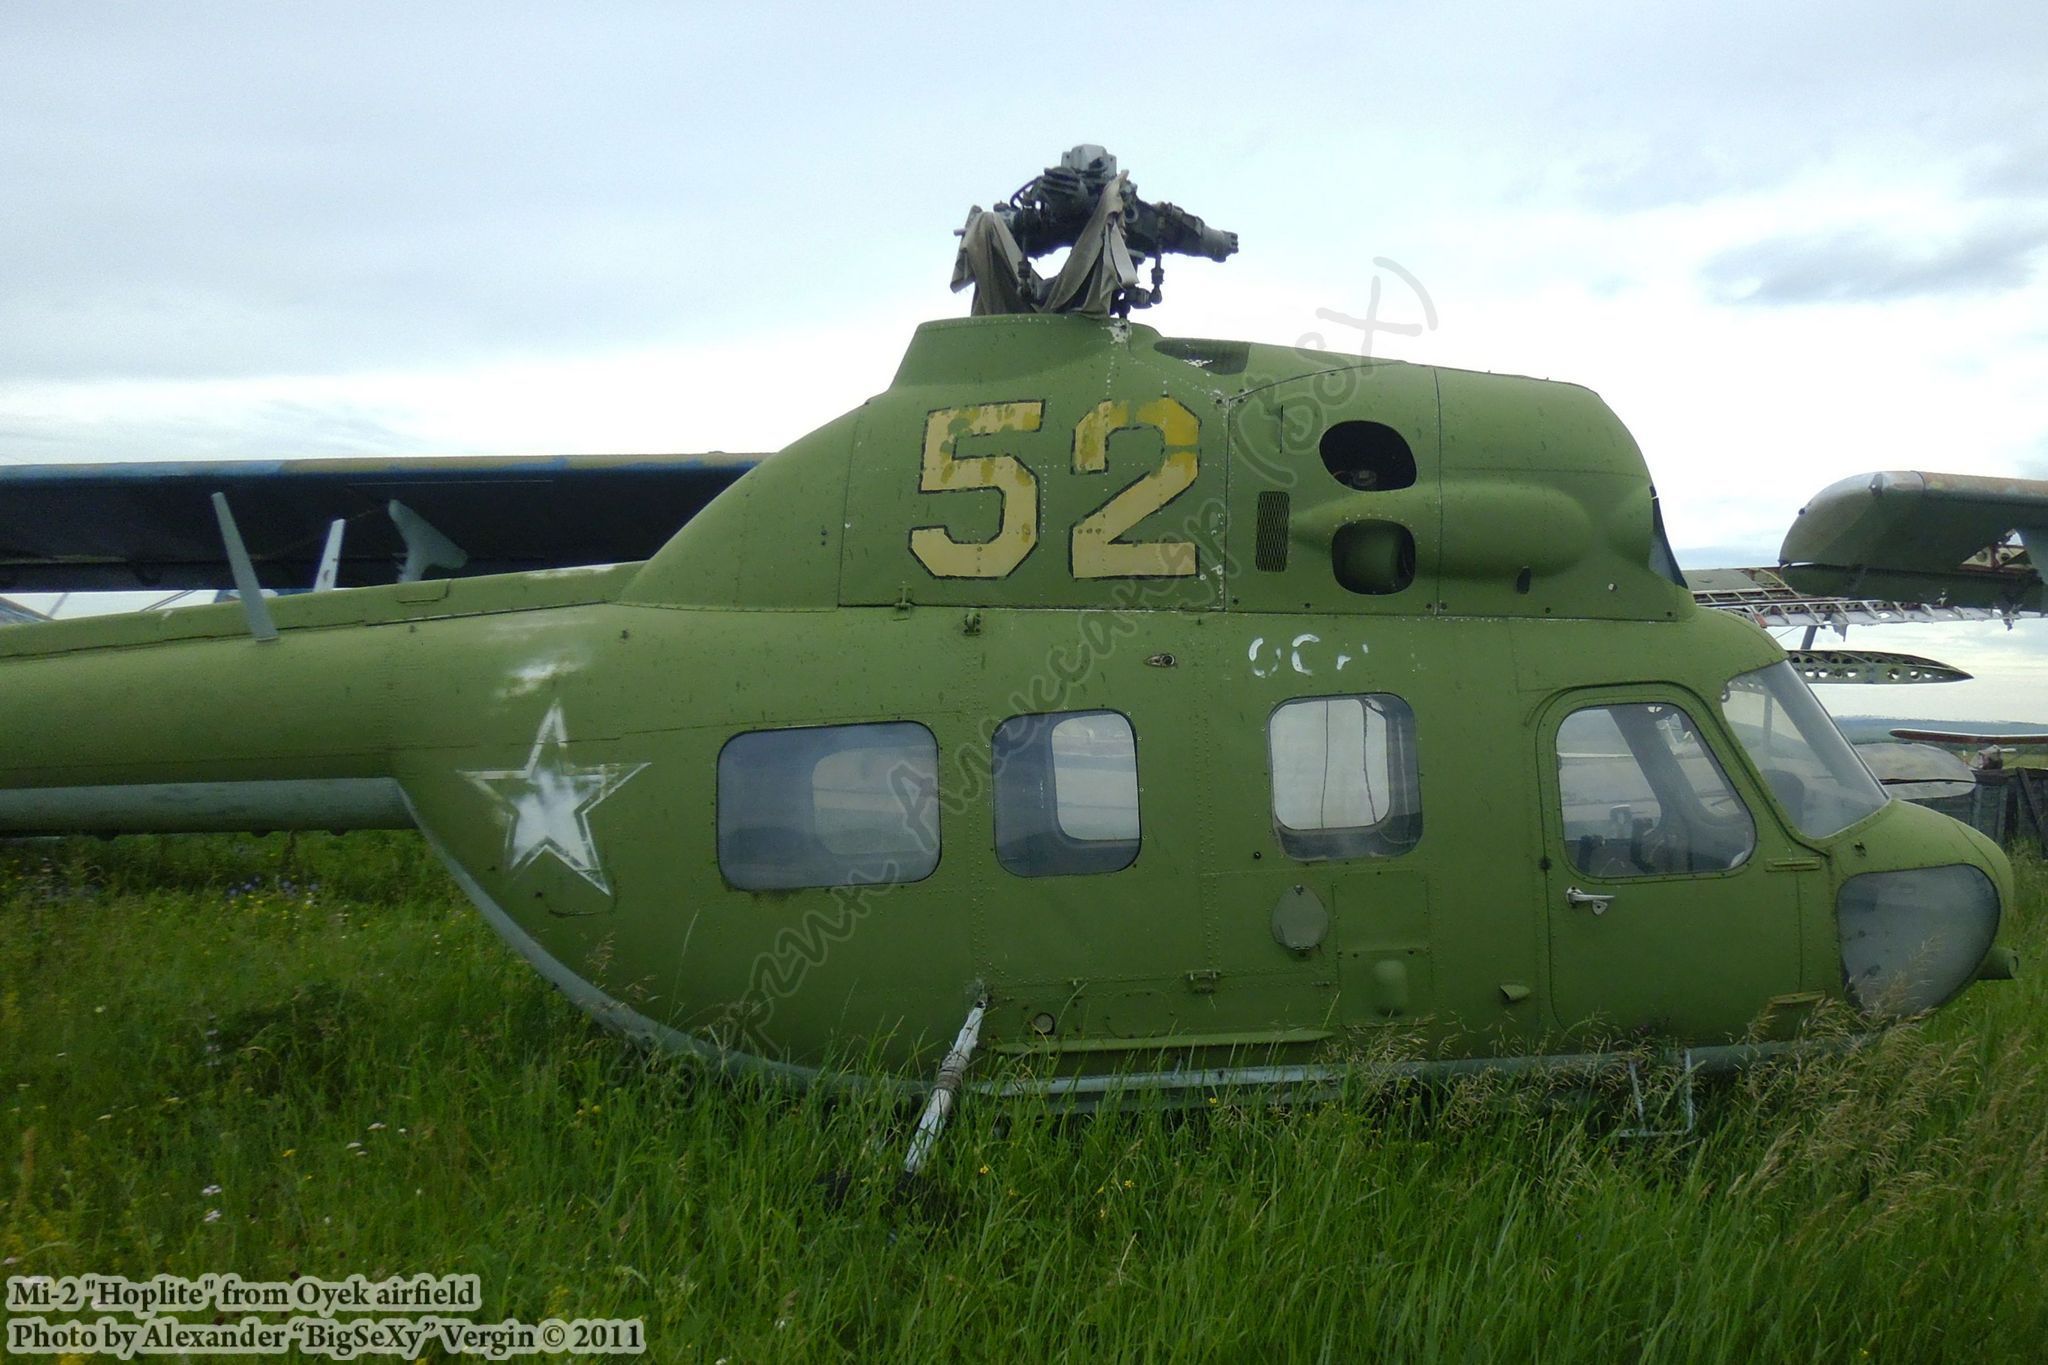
(256, 192)
(1742, 554)
(197, 426)
(1859, 266)
(1677, 170)
(2018, 171)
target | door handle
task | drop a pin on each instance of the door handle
(1597, 904)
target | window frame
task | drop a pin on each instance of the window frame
(1767, 789)
(719, 831)
(1046, 811)
(1283, 832)
(1714, 741)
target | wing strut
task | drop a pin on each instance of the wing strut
(254, 609)
(330, 556)
(425, 547)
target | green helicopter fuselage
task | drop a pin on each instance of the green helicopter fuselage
(1207, 708)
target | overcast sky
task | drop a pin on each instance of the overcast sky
(1786, 244)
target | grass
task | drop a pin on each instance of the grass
(319, 1029)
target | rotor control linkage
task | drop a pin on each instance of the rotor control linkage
(952, 1072)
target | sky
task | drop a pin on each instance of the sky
(1785, 243)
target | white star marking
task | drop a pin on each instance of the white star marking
(548, 802)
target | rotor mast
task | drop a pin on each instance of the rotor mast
(1086, 204)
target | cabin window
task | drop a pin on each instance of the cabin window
(1066, 793)
(1345, 781)
(830, 805)
(1644, 796)
(1815, 773)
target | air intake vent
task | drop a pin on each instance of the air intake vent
(1269, 551)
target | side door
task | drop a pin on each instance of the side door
(1327, 923)
(1673, 906)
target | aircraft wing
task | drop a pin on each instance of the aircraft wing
(1958, 539)
(1879, 549)
(124, 526)
(1916, 772)
(1970, 737)
(1768, 597)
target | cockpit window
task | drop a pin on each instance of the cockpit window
(1810, 768)
(1643, 796)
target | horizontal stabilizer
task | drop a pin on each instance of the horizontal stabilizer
(124, 526)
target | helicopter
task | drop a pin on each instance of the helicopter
(1156, 713)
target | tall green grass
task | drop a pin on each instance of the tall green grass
(319, 1029)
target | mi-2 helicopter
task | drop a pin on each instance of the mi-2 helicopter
(1175, 711)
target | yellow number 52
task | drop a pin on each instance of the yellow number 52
(1099, 547)
(941, 473)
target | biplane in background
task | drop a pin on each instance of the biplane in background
(1174, 709)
